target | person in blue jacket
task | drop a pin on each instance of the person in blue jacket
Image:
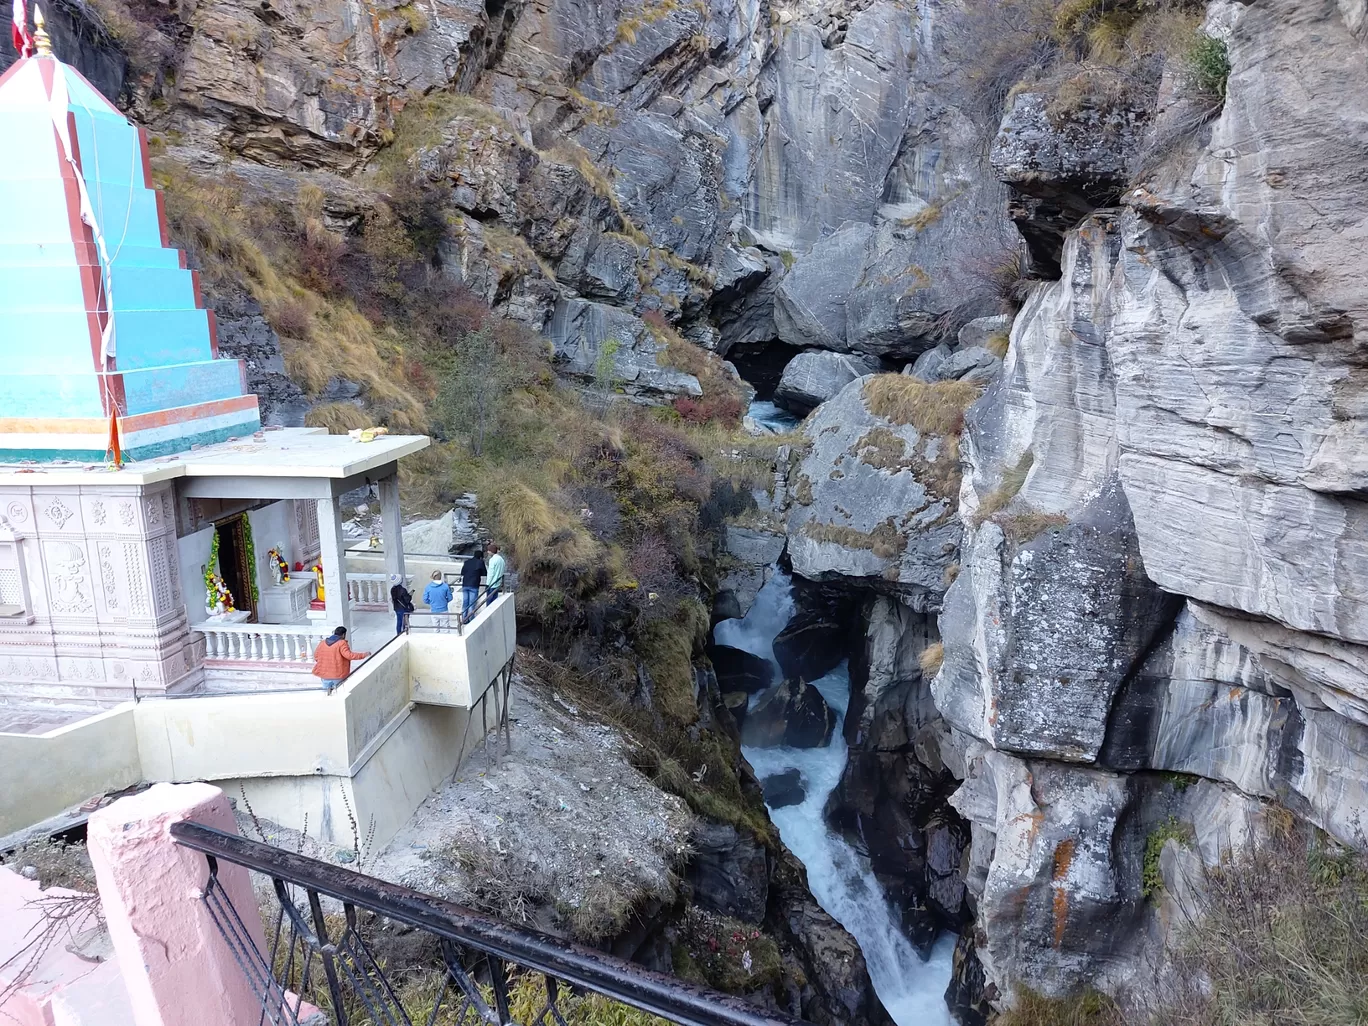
(437, 595)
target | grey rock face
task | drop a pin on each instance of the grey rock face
(891, 798)
(973, 364)
(79, 38)
(810, 305)
(595, 341)
(874, 501)
(1064, 165)
(243, 334)
(751, 557)
(730, 873)
(837, 122)
(981, 330)
(1248, 703)
(1057, 860)
(812, 378)
(1194, 360)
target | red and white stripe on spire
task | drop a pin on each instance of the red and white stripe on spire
(23, 39)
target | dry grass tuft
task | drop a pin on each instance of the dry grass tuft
(885, 541)
(1001, 497)
(1087, 1009)
(936, 409)
(1282, 937)
(1028, 524)
(320, 337)
(535, 531)
(932, 657)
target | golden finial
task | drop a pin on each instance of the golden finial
(42, 44)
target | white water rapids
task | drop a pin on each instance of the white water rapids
(771, 417)
(841, 880)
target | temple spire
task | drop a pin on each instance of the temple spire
(41, 42)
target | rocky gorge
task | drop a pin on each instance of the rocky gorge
(1069, 296)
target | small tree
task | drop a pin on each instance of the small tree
(476, 381)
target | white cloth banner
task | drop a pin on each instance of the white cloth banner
(19, 33)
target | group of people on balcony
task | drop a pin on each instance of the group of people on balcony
(438, 596)
(333, 656)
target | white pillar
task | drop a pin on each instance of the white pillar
(333, 556)
(392, 524)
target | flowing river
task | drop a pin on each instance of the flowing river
(840, 877)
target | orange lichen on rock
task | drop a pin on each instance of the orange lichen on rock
(1063, 858)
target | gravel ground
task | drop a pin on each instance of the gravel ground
(562, 832)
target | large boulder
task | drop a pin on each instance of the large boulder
(606, 344)
(784, 789)
(810, 304)
(811, 645)
(431, 537)
(875, 498)
(812, 378)
(794, 715)
(739, 670)
(729, 871)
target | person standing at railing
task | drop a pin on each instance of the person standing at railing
(402, 601)
(333, 658)
(472, 570)
(495, 574)
(437, 596)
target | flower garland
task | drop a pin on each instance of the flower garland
(251, 557)
(217, 597)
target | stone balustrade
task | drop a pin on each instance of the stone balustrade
(287, 645)
(368, 591)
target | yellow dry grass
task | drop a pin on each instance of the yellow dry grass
(935, 409)
(931, 659)
(319, 338)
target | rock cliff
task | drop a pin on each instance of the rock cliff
(1163, 507)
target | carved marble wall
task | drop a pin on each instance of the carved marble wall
(105, 612)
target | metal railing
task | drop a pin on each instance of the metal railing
(329, 960)
(454, 619)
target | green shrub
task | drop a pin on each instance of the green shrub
(1152, 879)
(1209, 61)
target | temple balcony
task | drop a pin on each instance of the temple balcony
(115, 670)
(373, 748)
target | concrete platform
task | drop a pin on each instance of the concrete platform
(38, 718)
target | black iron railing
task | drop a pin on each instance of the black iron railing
(485, 965)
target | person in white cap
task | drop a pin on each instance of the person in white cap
(402, 600)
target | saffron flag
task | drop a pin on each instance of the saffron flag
(23, 41)
(114, 452)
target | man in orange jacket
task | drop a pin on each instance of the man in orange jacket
(333, 658)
